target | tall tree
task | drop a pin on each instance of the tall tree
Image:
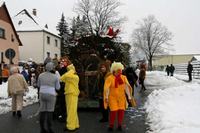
(151, 37)
(62, 27)
(100, 14)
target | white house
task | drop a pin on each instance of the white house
(37, 38)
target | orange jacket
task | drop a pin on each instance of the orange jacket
(5, 73)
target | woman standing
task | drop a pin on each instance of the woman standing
(115, 87)
(71, 80)
(142, 75)
(17, 86)
(48, 83)
(104, 72)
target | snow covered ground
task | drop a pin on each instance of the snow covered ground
(174, 105)
(5, 102)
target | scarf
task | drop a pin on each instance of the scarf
(118, 80)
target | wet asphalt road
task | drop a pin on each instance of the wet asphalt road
(134, 121)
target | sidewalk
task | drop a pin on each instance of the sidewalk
(89, 121)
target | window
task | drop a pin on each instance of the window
(12, 38)
(56, 43)
(48, 40)
(2, 33)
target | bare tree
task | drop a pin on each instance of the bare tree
(100, 14)
(151, 37)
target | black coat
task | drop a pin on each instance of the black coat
(189, 68)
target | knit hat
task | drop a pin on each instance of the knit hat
(49, 66)
(116, 66)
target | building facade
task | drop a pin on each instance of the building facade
(37, 38)
(9, 40)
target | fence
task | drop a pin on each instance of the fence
(182, 69)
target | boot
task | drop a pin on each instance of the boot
(13, 113)
(42, 122)
(19, 114)
(49, 122)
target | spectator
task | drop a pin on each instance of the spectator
(171, 70)
(5, 73)
(189, 70)
(25, 73)
(48, 83)
(142, 76)
(167, 70)
(48, 59)
(103, 73)
(17, 86)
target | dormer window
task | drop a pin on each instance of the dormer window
(2, 33)
(20, 22)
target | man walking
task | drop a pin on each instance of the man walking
(189, 70)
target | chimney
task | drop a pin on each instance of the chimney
(34, 12)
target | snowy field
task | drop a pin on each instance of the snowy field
(5, 102)
(174, 105)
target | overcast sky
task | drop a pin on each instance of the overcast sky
(181, 17)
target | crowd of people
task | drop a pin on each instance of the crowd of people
(58, 90)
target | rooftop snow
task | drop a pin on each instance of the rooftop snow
(24, 21)
(1, 2)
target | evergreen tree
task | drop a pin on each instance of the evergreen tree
(62, 27)
(73, 29)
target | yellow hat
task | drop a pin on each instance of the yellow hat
(116, 66)
(71, 67)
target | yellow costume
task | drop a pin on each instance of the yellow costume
(116, 87)
(71, 80)
(117, 97)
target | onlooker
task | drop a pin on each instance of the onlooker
(48, 83)
(167, 70)
(17, 86)
(131, 76)
(115, 87)
(103, 73)
(142, 76)
(55, 60)
(189, 70)
(48, 59)
(5, 73)
(171, 70)
(60, 109)
(25, 73)
(71, 80)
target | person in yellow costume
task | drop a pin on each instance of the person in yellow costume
(71, 80)
(115, 89)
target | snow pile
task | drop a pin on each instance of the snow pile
(5, 102)
(173, 109)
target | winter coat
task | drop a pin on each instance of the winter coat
(16, 84)
(189, 68)
(71, 80)
(142, 74)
